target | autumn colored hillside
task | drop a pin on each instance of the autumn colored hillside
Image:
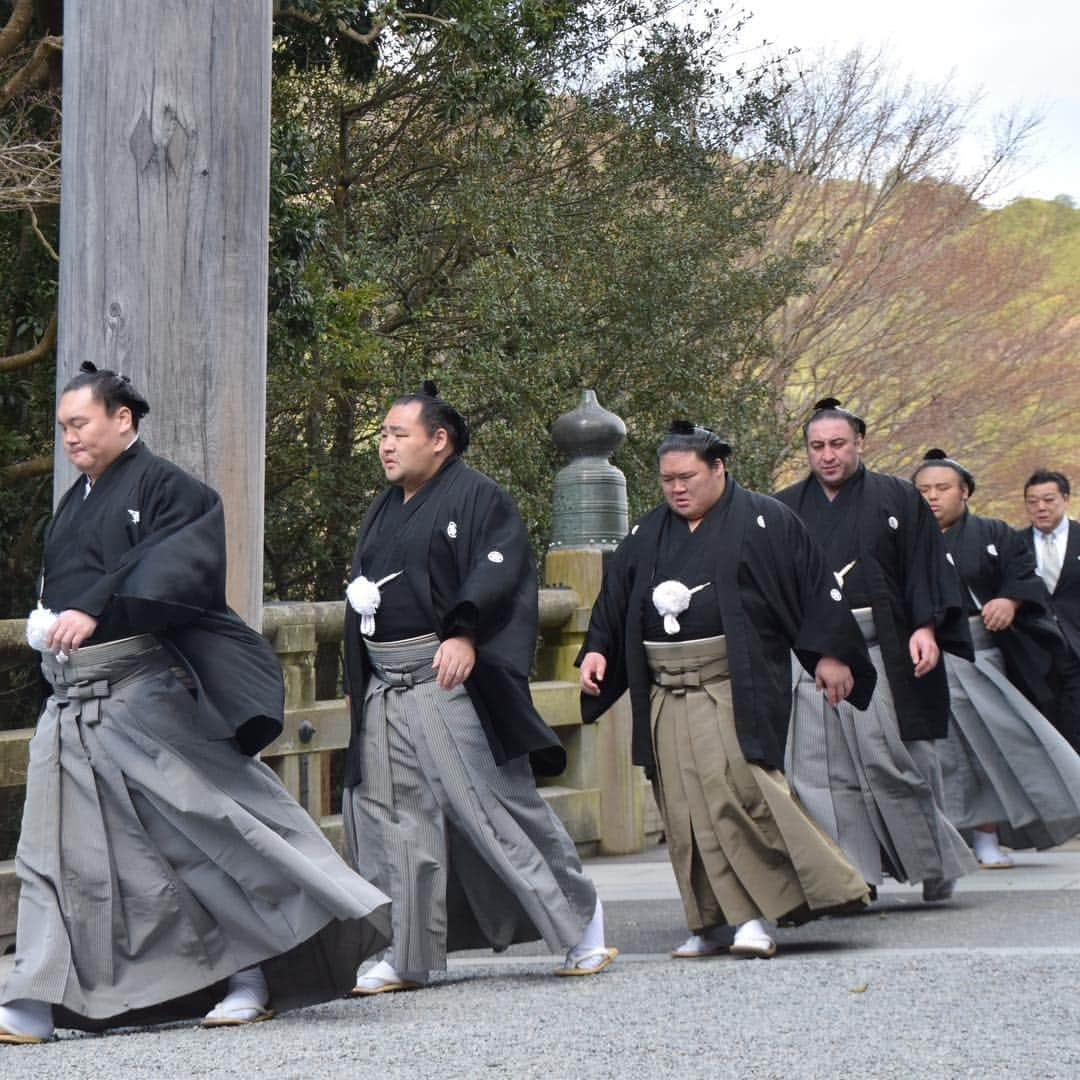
(941, 320)
(974, 347)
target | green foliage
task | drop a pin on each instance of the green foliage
(517, 240)
(308, 40)
(519, 199)
(27, 299)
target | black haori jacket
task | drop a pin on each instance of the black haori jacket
(993, 561)
(1065, 599)
(910, 583)
(144, 553)
(469, 536)
(774, 594)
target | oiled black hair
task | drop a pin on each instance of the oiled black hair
(829, 409)
(111, 389)
(682, 435)
(436, 413)
(935, 457)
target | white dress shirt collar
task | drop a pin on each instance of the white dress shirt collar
(1059, 531)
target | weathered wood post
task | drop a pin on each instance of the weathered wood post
(163, 236)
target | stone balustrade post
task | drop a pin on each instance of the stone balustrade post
(590, 518)
(302, 774)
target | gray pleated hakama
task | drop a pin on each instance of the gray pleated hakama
(469, 851)
(155, 861)
(1003, 761)
(740, 846)
(880, 798)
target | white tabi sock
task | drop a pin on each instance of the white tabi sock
(589, 951)
(988, 850)
(384, 972)
(593, 938)
(247, 997)
(752, 929)
(708, 943)
(253, 981)
(26, 1017)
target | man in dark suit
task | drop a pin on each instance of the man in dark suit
(1055, 541)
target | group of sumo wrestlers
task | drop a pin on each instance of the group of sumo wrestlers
(827, 686)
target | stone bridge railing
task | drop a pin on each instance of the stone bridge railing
(603, 801)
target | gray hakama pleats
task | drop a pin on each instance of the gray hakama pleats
(740, 845)
(880, 798)
(155, 861)
(468, 850)
(1003, 761)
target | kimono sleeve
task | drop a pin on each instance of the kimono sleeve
(500, 565)
(1019, 579)
(607, 631)
(933, 591)
(176, 569)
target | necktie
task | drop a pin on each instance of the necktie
(1051, 568)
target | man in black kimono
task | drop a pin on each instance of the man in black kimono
(698, 611)
(1002, 760)
(1055, 542)
(157, 857)
(873, 782)
(441, 809)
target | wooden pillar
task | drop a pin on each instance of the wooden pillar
(164, 236)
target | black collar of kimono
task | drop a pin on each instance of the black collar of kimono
(117, 463)
(395, 493)
(651, 527)
(425, 511)
(106, 480)
(954, 534)
(432, 482)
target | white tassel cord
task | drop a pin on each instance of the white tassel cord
(38, 624)
(365, 597)
(672, 598)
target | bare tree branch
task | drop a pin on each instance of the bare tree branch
(377, 28)
(343, 27)
(26, 470)
(41, 236)
(31, 356)
(30, 174)
(35, 72)
(22, 14)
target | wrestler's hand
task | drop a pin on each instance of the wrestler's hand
(593, 668)
(835, 678)
(70, 630)
(454, 661)
(999, 613)
(924, 651)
